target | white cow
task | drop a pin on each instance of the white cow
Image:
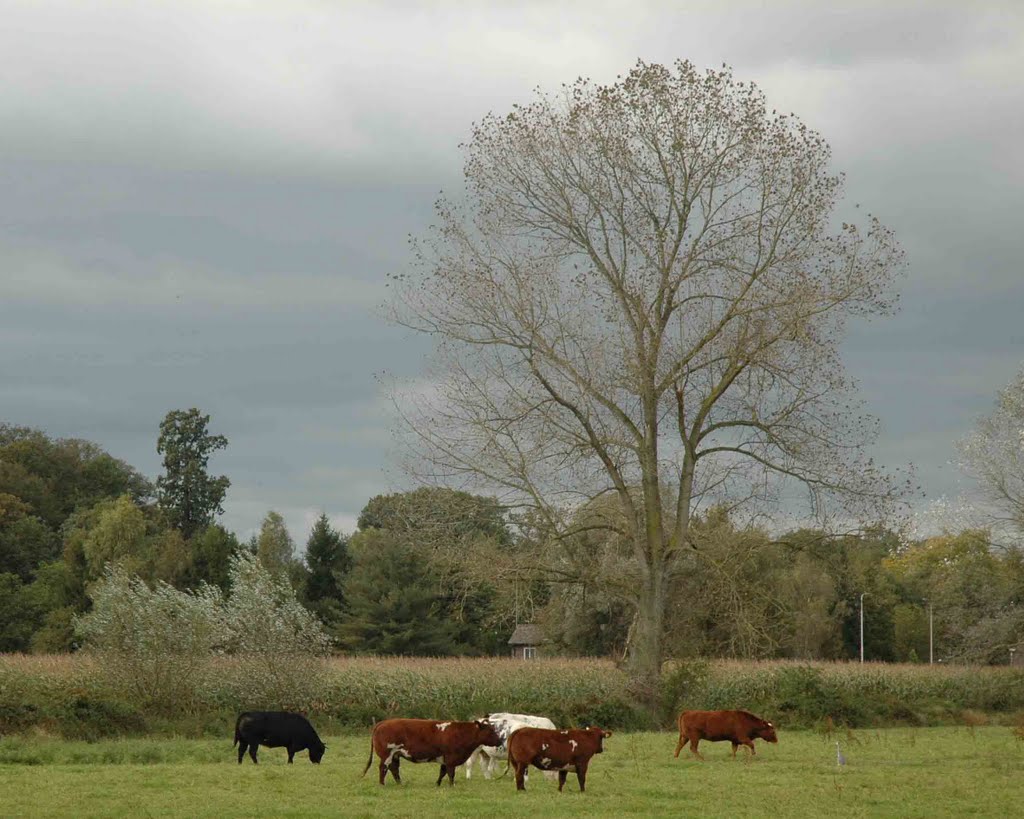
(489, 755)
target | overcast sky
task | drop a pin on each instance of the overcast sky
(199, 203)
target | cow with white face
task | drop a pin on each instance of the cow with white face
(505, 725)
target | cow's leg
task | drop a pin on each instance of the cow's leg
(520, 771)
(581, 775)
(750, 744)
(683, 739)
(440, 776)
(561, 779)
(394, 769)
(451, 765)
(241, 750)
(489, 764)
(252, 752)
(694, 742)
(382, 769)
(735, 745)
(469, 762)
(291, 753)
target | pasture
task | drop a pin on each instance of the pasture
(906, 772)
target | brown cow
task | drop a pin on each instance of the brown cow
(554, 750)
(427, 740)
(739, 727)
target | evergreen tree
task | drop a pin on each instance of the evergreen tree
(328, 561)
(393, 601)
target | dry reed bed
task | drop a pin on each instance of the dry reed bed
(73, 694)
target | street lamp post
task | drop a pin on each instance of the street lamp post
(931, 643)
(862, 625)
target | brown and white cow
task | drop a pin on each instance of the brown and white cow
(554, 750)
(738, 727)
(427, 740)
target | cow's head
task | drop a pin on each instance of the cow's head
(599, 736)
(486, 733)
(316, 752)
(766, 731)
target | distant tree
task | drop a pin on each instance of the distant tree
(458, 537)
(394, 601)
(437, 515)
(57, 476)
(17, 614)
(975, 592)
(212, 550)
(274, 546)
(188, 494)
(118, 533)
(993, 454)
(25, 541)
(328, 562)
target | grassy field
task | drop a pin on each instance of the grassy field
(905, 772)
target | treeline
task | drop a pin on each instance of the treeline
(744, 593)
(440, 572)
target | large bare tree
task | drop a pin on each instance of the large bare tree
(641, 295)
(993, 454)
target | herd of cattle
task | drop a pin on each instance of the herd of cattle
(521, 739)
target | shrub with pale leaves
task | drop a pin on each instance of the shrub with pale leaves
(156, 642)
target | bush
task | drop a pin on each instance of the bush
(156, 643)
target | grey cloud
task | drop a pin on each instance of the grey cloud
(199, 204)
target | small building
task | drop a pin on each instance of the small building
(526, 641)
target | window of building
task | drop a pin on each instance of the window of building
(529, 652)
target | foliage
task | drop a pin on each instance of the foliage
(328, 561)
(394, 601)
(211, 553)
(436, 515)
(458, 541)
(152, 642)
(190, 496)
(274, 546)
(56, 476)
(155, 642)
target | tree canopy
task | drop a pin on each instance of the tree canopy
(642, 295)
(191, 497)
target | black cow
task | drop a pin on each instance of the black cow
(276, 729)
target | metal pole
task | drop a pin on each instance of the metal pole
(931, 643)
(862, 626)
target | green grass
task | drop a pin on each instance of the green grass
(905, 772)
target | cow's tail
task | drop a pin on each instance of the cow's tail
(238, 733)
(508, 757)
(369, 761)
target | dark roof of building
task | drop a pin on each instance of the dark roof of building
(527, 634)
